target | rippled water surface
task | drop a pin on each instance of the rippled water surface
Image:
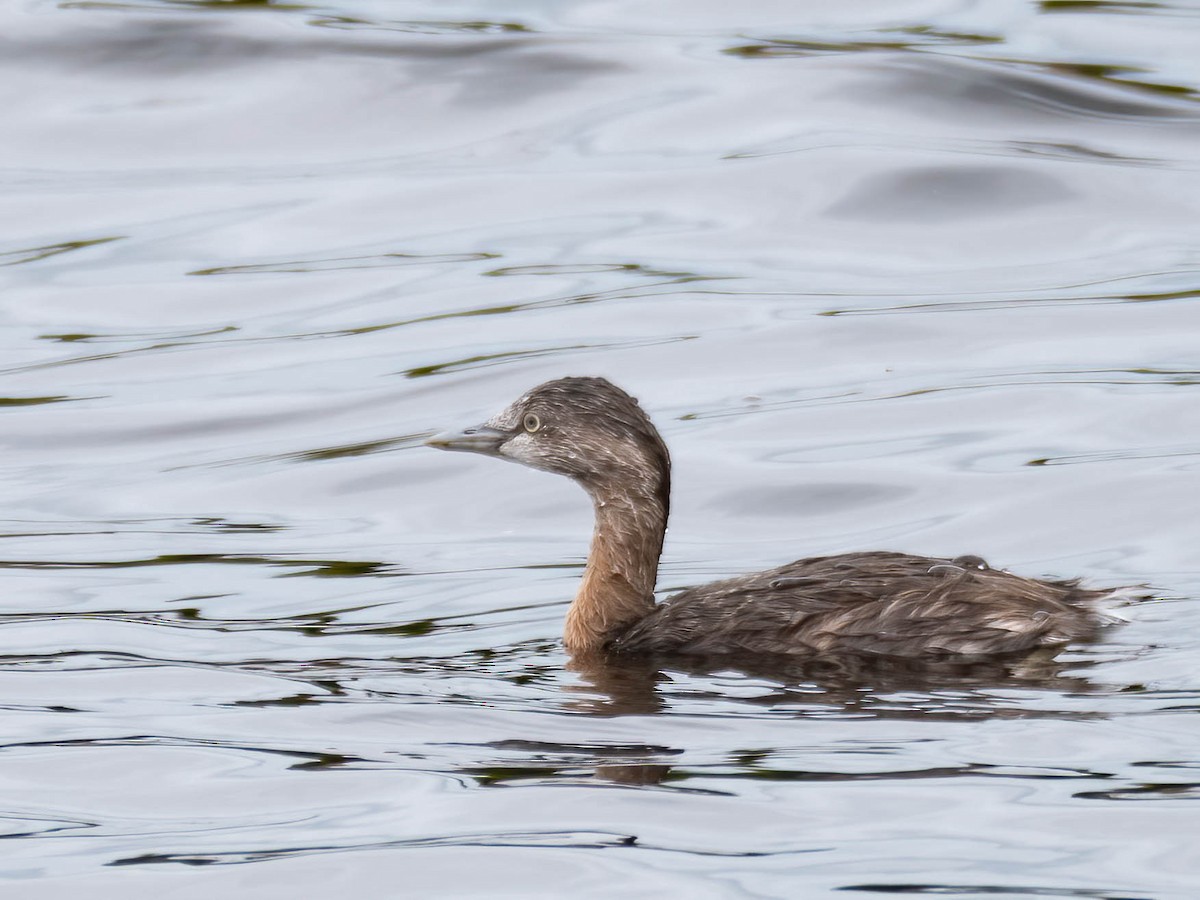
(906, 275)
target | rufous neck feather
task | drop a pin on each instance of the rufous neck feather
(618, 582)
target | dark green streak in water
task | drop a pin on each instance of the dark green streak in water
(188, 4)
(322, 568)
(474, 362)
(1117, 75)
(418, 26)
(316, 624)
(929, 38)
(33, 254)
(970, 305)
(1109, 6)
(363, 448)
(377, 261)
(33, 401)
(924, 36)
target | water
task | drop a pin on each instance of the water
(916, 275)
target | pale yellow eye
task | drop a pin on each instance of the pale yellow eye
(532, 422)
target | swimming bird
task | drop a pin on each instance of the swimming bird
(881, 604)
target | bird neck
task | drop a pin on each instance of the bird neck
(618, 582)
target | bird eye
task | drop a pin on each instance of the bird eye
(532, 422)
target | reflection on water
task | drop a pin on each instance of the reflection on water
(921, 278)
(850, 686)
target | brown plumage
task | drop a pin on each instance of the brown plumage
(879, 604)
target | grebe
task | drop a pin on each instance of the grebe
(880, 604)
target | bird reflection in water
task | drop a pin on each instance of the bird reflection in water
(846, 687)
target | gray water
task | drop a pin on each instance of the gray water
(908, 275)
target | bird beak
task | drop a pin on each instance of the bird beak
(480, 439)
